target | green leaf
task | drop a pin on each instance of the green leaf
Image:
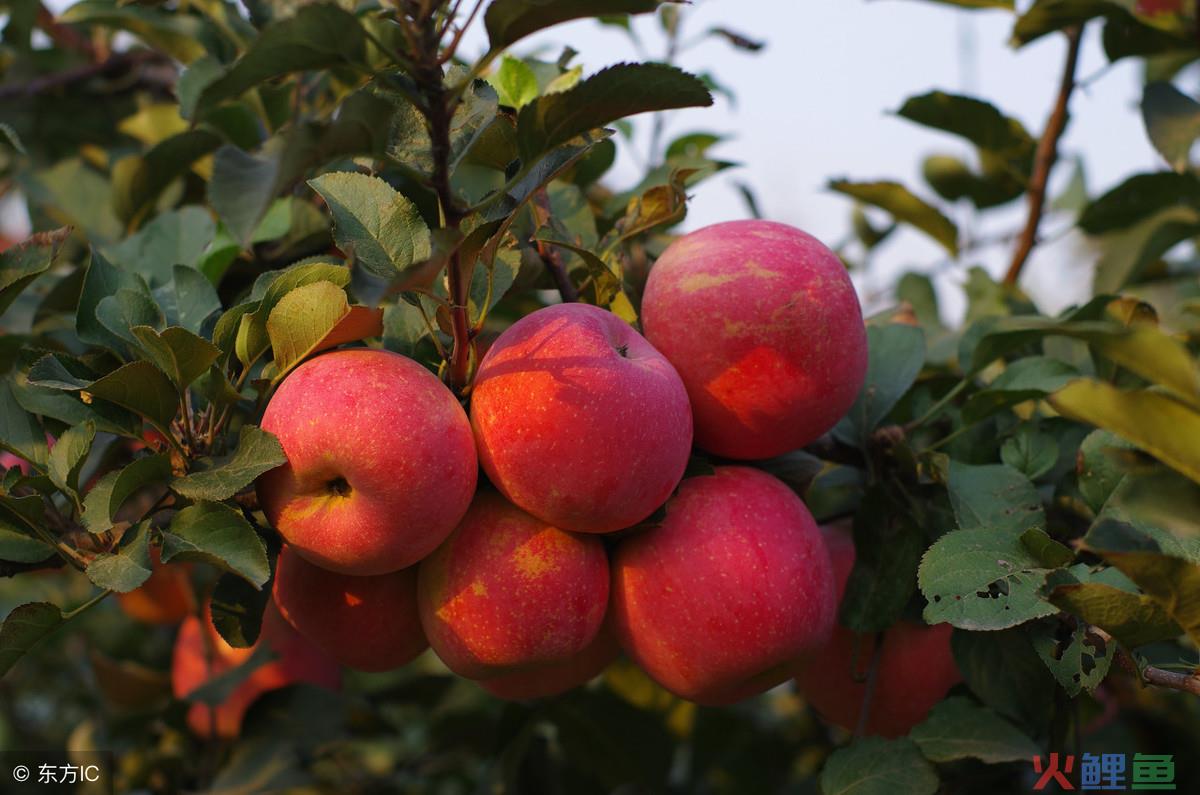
(1138, 198)
(958, 728)
(316, 317)
(1150, 420)
(242, 188)
(179, 353)
(380, 227)
(18, 546)
(508, 21)
(1172, 582)
(188, 300)
(138, 386)
(214, 533)
(319, 36)
(140, 180)
(875, 766)
(111, 491)
(1172, 121)
(884, 576)
(248, 326)
(176, 237)
(20, 433)
(1132, 618)
(120, 312)
(982, 579)
(129, 567)
(25, 627)
(1129, 253)
(27, 260)
(994, 497)
(257, 451)
(179, 35)
(1004, 671)
(1099, 470)
(614, 93)
(1031, 452)
(1078, 658)
(102, 281)
(975, 120)
(905, 207)
(896, 356)
(515, 83)
(68, 456)
(237, 610)
(1048, 16)
(1028, 378)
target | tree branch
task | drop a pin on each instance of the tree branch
(1047, 153)
(111, 66)
(1172, 680)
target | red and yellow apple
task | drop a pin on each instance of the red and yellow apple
(579, 420)
(762, 323)
(201, 655)
(721, 600)
(914, 671)
(366, 623)
(380, 462)
(508, 593)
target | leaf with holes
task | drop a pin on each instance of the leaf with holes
(982, 579)
(994, 497)
(1078, 658)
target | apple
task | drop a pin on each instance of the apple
(544, 681)
(193, 665)
(507, 592)
(579, 420)
(915, 670)
(10, 461)
(720, 601)
(164, 598)
(763, 324)
(365, 623)
(380, 462)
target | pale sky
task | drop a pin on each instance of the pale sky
(819, 101)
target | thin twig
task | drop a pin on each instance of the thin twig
(1047, 153)
(1187, 683)
(864, 710)
(451, 48)
(50, 82)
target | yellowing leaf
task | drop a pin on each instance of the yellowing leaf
(316, 317)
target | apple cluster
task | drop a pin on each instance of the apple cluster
(586, 540)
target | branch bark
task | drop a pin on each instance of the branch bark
(1046, 155)
(1172, 680)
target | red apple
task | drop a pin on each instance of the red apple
(365, 623)
(720, 601)
(381, 462)
(579, 420)
(763, 325)
(9, 461)
(551, 680)
(193, 665)
(915, 669)
(508, 593)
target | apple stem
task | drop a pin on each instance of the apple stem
(864, 710)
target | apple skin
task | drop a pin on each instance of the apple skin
(381, 462)
(165, 597)
(579, 420)
(557, 678)
(915, 671)
(8, 460)
(297, 661)
(763, 324)
(365, 623)
(507, 592)
(720, 601)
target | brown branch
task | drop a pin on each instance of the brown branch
(549, 255)
(1172, 680)
(113, 65)
(62, 35)
(1047, 153)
